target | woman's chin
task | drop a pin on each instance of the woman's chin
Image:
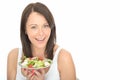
(41, 46)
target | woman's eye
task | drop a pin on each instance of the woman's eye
(33, 27)
(45, 26)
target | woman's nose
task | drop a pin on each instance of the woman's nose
(40, 31)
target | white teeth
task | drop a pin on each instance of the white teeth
(40, 39)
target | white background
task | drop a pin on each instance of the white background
(89, 29)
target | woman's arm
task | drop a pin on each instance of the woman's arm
(12, 64)
(66, 66)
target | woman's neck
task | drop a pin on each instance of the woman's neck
(38, 52)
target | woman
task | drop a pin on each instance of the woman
(38, 38)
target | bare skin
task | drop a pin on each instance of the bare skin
(66, 69)
(12, 64)
(38, 32)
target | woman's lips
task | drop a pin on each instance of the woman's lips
(40, 40)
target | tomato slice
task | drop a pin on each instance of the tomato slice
(30, 66)
(40, 58)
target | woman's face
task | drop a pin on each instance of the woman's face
(38, 30)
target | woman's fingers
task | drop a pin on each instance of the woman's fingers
(24, 71)
(33, 74)
(39, 74)
(42, 71)
(28, 73)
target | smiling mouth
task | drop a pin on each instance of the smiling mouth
(42, 39)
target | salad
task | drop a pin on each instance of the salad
(35, 63)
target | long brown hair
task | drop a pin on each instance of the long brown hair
(26, 44)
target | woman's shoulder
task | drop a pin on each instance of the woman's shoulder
(13, 53)
(64, 54)
(66, 65)
(12, 62)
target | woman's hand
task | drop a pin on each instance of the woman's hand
(32, 74)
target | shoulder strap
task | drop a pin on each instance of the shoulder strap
(19, 54)
(57, 52)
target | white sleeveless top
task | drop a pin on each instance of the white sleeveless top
(52, 74)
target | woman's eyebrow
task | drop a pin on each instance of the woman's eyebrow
(32, 24)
